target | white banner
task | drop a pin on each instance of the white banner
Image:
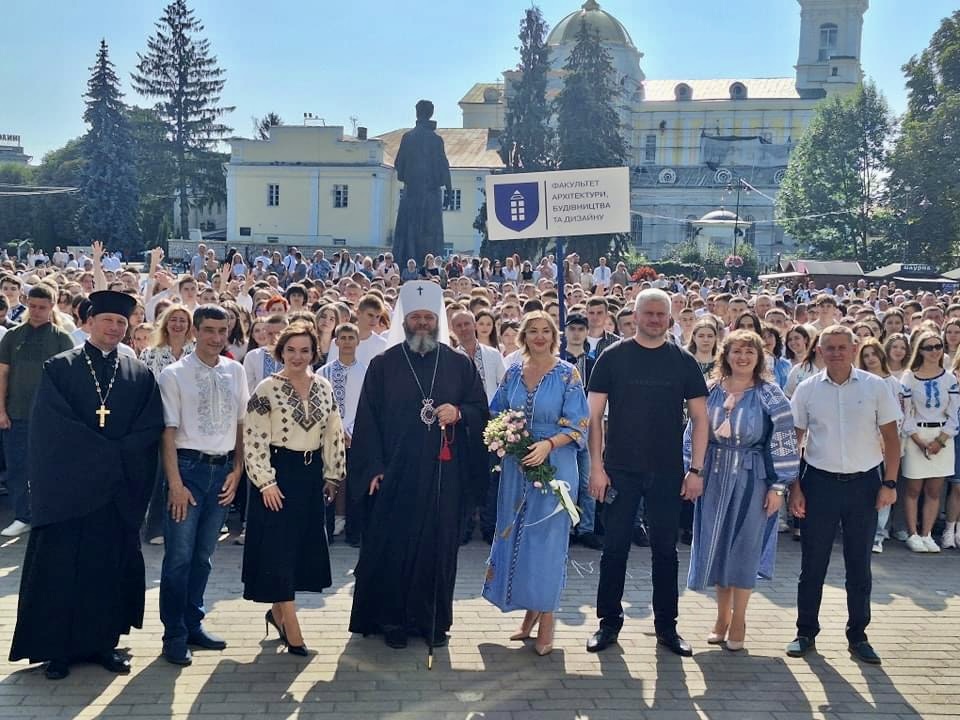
(560, 203)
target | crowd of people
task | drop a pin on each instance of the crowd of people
(347, 399)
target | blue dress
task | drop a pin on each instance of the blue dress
(527, 568)
(734, 541)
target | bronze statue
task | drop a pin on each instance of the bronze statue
(423, 169)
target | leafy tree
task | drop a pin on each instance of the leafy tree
(109, 188)
(16, 211)
(54, 215)
(527, 141)
(833, 183)
(179, 69)
(924, 186)
(588, 125)
(261, 126)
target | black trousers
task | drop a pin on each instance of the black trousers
(833, 503)
(662, 495)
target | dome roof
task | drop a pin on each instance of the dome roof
(603, 23)
(720, 214)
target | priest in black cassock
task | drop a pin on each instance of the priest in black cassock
(420, 421)
(96, 425)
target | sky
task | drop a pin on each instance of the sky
(373, 59)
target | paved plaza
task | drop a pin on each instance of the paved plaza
(484, 676)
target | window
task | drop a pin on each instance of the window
(340, 196)
(451, 200)
(738, 91)
(245, 232)
(273, 195)
(636, 229)
(828, 41)
(650, 149)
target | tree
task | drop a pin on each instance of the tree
(527, 141)
(108, 191)
(833, 184)
(16, 214)
(179, 69)
(924, 187)
(261, 126)
(54, 216)
(588, 125)
(156, 173)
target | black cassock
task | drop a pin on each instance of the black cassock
(83, 583)
(423, 168)
(406, 539)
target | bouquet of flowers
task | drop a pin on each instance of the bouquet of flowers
(644, 272)
(507, 434)
(733, 261)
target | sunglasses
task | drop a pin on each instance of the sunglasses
(931, 348)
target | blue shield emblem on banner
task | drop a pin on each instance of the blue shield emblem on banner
(517, 205)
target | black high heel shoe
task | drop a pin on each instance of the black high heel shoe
(300, 650)
(268, 621)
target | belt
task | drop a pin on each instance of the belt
(840, 477)
(205, 458)
(307, 455)
(939, 424)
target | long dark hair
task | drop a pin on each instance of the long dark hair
(494, 336)
(799, 330)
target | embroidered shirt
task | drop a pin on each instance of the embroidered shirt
(347, 382)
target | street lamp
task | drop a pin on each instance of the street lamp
(923, 205)
(742, 186)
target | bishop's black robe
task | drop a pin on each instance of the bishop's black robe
(83, 583)
(423, 168)
(408, 537)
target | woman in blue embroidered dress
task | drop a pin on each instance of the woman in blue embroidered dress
(751, 459)
(528, 559)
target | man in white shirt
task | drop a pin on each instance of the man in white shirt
(849, 419)
(488, 361)
(204, 402)
(601, 276)
(345, 376)
(369, 310)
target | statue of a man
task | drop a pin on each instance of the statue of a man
(423, 169)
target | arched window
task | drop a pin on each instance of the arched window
(683, 92)
(738, 91)
(828, 41)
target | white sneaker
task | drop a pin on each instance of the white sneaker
(15, 529)
(930, 544)
(339, 524)
(948, 540)
(878, 546)
(916, 544)
(901, 535)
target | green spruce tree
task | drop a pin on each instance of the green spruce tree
(588, 126)
(109, 194)
(179, 69)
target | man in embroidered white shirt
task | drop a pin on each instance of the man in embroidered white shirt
(345, 375)
(204, 403)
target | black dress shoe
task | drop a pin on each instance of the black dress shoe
(207, 641)
(300, 650)
(675, 644)
(114, 661)
(801, 646)
(183, 658)
(865, 652)
(396, 639)
(602, 639)
(591, 540)
(57, 669)
(640, 538)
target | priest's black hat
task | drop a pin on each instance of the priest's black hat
(109, 301)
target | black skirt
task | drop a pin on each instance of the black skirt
(286, 551)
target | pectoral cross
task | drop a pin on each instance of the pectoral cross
(102, 413)
(419, 291)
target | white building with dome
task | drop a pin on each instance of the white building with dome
(694, 142)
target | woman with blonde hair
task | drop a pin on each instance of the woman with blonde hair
(896, 347)
(751, 460)
(931, 402)
(172, 339)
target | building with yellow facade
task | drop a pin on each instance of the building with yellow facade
(693, 144)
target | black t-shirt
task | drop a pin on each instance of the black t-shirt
(646, 389)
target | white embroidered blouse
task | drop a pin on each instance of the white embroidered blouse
(277, 415)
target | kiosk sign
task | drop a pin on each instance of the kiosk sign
(561, 203)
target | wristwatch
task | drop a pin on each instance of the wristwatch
(695, 471)
(891, 484)
(778, 489)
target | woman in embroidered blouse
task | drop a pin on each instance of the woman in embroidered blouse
(931, 401)
(528, 558)
(751, 459)
(293, 442)
(173, 339)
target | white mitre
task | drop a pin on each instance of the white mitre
(418, 295)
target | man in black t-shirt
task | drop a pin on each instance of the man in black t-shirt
(646, 381)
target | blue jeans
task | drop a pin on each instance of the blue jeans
(588, 506)
(188, 546)
(18, 483)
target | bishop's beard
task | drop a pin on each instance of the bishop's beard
(422, 343)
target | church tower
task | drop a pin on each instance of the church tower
(830, 41)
